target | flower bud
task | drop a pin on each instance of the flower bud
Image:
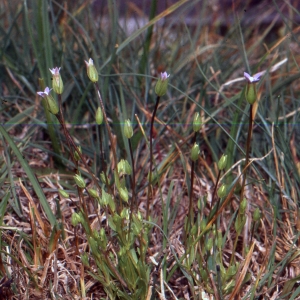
(76, 155)
(63, 193)
(99, 116)
(102, 177)
(106, 198)
(50, 102)
(195, 152)
(124, 213)
(222, 162)
(57, 83)
(124, 167)
(75, 219)
(162, 84)
(251, 94)
(197, 122)
(128, 131)
(79, 181)
(123, 194)
(91, 71)
(93, 245)
(93, 193)
(222, 191)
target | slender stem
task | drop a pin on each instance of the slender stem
(191, 214)
(68, 136)
(248, 146)
(108, 128)
(63, 124)
(149, 197)
(133, 200)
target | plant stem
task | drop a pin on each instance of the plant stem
(151, 158)
(248, 146)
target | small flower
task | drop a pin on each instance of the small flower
(253, 79)
(45, 93)
(57, 82)
(51, 103)
(162, 84)
(164, 76)
(91, 70)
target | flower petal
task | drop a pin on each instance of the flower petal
(164, 76)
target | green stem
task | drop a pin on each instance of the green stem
(151, 158)
(248, 146)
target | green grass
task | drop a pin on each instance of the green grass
(117, 230)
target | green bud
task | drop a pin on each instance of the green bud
(99, 116)
(93, 193)
(251, 94)
(128, 131)
(239, 223)
(85, 259)
(124, 167)
(197, 122)
(105, 198)
(102, 177)
(256, 214)
(79, 181)
(162, 84)
(64, 193)
(91, 71)
(222, 191)
(93, 245)
(195, 152)
(123, 194)
(57, 82)
(76, 155)
(125, 213)
(222, 162)
(50, 102)
(75, 219)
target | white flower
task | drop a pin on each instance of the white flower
(55, 71)
(89, 63)
(164, 76)
(45, 93)
(253, 79)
